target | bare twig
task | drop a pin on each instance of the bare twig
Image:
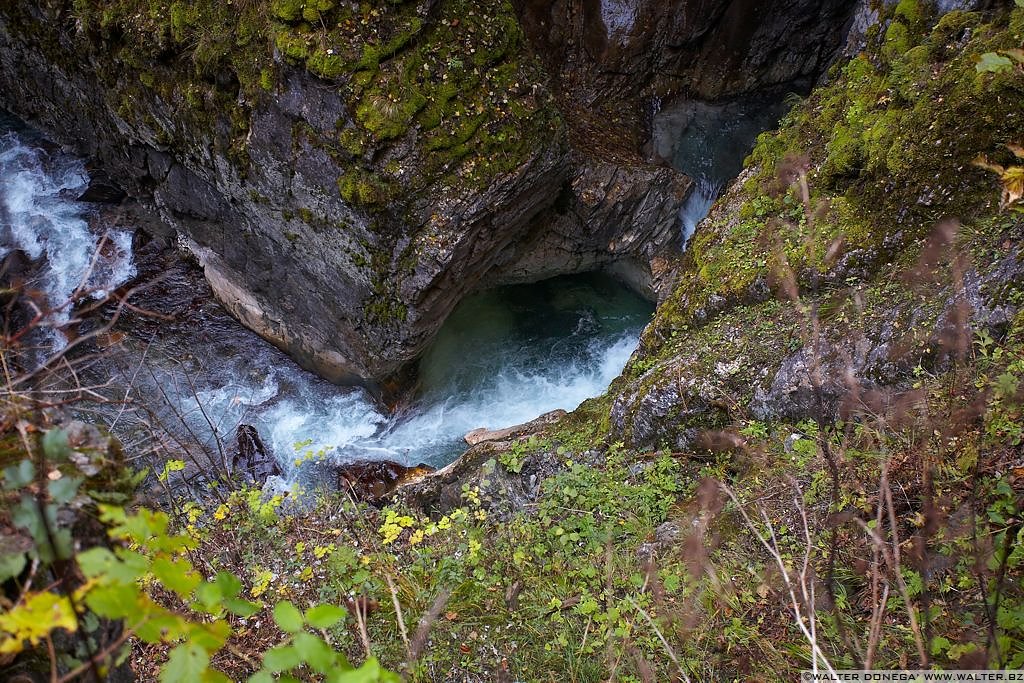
(772, 547)
(419, 639)
(398, 612)
(657, 631)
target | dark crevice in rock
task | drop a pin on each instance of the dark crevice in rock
(607, 75)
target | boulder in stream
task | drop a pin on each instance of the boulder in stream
(102, 189)
(483, 434)
(252, 460)
(500, 489)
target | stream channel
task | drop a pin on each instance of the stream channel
(505, 356)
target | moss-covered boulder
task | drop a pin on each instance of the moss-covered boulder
(860, 246)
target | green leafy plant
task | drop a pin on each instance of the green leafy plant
(144, 580)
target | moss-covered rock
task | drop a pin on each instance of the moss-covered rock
(425, 133)
(887, 148)
(831, 216)
(390, 62)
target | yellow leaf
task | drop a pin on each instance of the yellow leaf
(35, 618)
(1013, 185)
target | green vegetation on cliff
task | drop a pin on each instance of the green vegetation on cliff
(443, 95)
(888, 145)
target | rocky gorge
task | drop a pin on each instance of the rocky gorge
(375, 176)
(832, 371)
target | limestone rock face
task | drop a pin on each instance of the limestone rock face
(717, 46)
(483, 434)
(837, 308)
(479, 468)
(673, 402)
(347, 174)
(619, 58)
(622, 217)
(317, 248)
(614, 65)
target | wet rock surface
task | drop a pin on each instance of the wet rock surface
(253, 461)
(278, 217)
(843, 371)
(481, 435)
(621, 217)
(479, 469)
(102, 190)
(374, 480)
(619, 59)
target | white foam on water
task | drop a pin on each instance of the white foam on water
(347, 421)
(207, 386)
(219, 411)
(516, 394)
(296, 412)
(40, 217)
(350, 426)
(484, 371)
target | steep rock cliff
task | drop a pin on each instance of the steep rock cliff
(860, 250)
(347, 173)
(344, 175)
(860, 245)
(615, 61)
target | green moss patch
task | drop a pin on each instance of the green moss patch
(456, 85)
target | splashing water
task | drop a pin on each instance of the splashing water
(508, 355)
(40, 217)
(504, 357)
(698, 205)
(709, 142)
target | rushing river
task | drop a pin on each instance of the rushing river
(40, 218)
(504, 357)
